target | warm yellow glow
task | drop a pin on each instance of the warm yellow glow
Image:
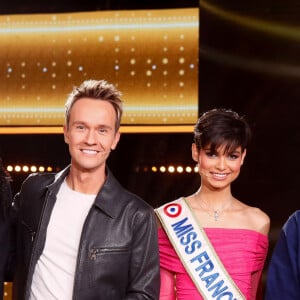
(9, 168)
(33, 168)
(18, 168)
(179, 169)
(162, 169)
(171, 169)
(123, 129)
(7, 290)
(188, 169)
(141, 168)
(154, 169)
(25, 169)
(157, 76)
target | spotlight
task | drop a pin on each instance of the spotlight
(162, 169)
(188, 169)
(154, 169)
(33, 169)
(17, 168)
(25, 169)
(171, 169)
(9, 168)
(179, 169)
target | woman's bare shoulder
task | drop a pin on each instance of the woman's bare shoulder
(258, 219)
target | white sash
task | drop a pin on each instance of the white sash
(196, 252)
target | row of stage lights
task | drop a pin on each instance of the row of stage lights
(28, 169)
(167, 169)
(140, 169)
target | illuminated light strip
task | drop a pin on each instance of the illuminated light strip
(31, 110)
(123, 129)
(20, 168)
(99, 27)
(292, 32)
(161, 108)
(169, 169)
(129, 108)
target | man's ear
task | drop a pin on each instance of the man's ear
(116, 140)
(66, 134)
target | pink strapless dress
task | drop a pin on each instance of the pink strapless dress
(243, 253)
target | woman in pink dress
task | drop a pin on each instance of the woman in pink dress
(237, 232)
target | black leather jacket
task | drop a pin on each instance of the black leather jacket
(6, 233)
(118, 252)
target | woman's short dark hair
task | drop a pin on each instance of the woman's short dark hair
(221, 126)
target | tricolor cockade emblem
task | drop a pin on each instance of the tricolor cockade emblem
(173, 210)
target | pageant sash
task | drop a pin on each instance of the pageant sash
(196, 252)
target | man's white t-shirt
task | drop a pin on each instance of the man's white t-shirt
(53, 276)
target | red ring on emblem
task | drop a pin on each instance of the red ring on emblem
(173, 210)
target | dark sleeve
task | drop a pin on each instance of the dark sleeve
(144, 268)
(283, 281)
(8, 229)
(11, 254)
(5, 194)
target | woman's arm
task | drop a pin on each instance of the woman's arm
(167, 285)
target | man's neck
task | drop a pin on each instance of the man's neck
(85, 182)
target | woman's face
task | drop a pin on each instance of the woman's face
(218, 169)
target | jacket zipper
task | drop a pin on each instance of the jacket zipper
(31, 232)
(80, 249)
(94, 252)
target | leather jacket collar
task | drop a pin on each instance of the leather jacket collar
(105, 198)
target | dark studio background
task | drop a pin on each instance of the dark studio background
(249, 61)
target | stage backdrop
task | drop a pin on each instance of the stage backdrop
(150, 55)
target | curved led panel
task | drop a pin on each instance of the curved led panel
(151, 56)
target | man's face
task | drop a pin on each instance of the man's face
(91, 134)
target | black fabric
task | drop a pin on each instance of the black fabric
(6, 231)
(118, 253)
